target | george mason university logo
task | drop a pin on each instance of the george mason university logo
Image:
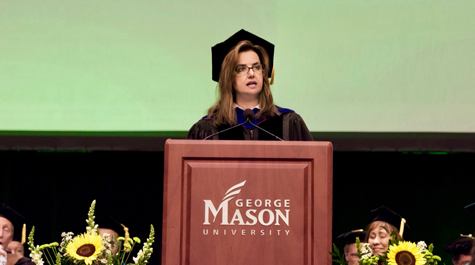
(249, 212)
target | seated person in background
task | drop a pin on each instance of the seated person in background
(242, 66)
(109, 225)
(16, 247)
(9, 220)
(460, 249)
(350, 250)
(378, 232)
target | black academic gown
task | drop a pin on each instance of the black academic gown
(24, 261)
(287, 126)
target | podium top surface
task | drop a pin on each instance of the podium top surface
(248, 143)
(249, 149)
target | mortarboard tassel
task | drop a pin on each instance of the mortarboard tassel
(126, 236)
(401, 228)
(23, 234)
(272, 76)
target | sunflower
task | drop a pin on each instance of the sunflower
(85, 247)
(405, 253)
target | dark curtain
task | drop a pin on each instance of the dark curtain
(54, 190)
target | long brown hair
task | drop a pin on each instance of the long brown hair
(223, 110)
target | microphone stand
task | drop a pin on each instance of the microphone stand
(248, 115)
(277, 137)
(209, 136)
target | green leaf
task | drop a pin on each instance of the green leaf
(337, 251)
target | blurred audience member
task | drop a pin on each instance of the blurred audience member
(350, 250)
(9, 221)
(460, 249)
(384, 223)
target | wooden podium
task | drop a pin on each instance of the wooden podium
(247, 202)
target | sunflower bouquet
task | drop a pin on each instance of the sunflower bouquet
(399, 253)
(90, 248)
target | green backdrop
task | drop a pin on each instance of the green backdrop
(345, 66)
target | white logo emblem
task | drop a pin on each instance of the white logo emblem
(267, 216)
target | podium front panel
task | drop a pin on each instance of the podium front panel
(238, 202)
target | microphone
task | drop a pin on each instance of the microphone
(248, 116)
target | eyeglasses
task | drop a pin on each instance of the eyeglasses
(244, 69)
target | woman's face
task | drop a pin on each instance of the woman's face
(378, 240)
(16, 248)
(248, 86)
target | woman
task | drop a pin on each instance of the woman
(242, 66)
(350, 249)
(379, 231)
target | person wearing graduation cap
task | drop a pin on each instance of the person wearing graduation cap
(242, 66)
(9, 220)
(16, 252)
(460, 249)
(350, 250)
(109, 225)
(384, 222)
(16, 246)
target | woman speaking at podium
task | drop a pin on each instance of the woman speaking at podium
(245, 110)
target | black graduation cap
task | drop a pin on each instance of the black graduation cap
(108, 221)
(350, 237)
(15, 218)
(461, 245)
(220, 50)
(102, 221)
(17, 237)
(385, 214)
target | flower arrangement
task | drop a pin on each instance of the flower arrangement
(90, 248)
(399, 253)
